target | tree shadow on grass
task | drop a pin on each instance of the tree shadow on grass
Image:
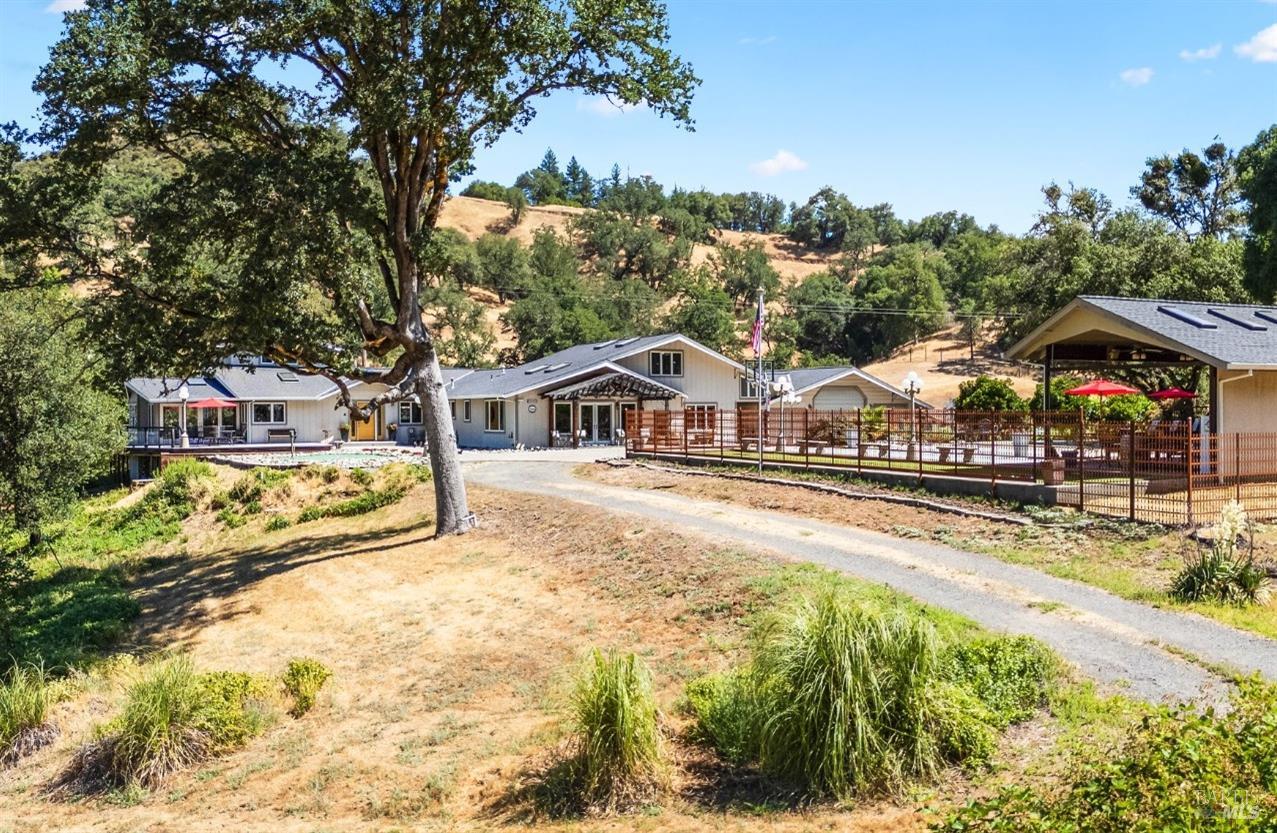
(69, 617)
(172, 594)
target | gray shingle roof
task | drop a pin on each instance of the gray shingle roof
(555, 369)
(805, 378)
(238, 382)
(1225, 335)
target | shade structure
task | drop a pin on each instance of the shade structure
(1101, 387)
(1173, 393)
(211, 403)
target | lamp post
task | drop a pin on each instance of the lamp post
(912, 385)
(183, 394)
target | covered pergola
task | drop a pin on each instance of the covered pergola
(616, 389)
(1235, 343)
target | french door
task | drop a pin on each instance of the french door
(596, 422)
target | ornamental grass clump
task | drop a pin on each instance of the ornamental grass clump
(25, 698)
(173, 718)
(854, 698)
(843, 698)
(617, 746)
(1225, 572)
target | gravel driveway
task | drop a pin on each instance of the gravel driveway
(1115, 641)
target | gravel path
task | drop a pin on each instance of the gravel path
(1115, 641)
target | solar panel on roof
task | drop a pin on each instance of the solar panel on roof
(1232, 318)
(558, 366)
(1187, 317)
(531, 370)
(624, 341)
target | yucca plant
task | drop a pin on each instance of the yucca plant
(618, 747)
(1222, 572)
(847, 697)
(25, 698)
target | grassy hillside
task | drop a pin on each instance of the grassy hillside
(450, 661)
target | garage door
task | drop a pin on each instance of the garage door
(833, 398)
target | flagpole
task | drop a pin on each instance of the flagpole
(758, 359)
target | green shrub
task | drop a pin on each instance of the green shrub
(253, 507)
(1178, 769)
(255, 483)
(988, 393)
(173, 718)
(302, 680)
(728, 714)
(311, 513)
(278, 522)
(25, 698)
(1222, 572)
(1010, 675)
(367, 502)
(361, 477)
(618, 749)
(230, 518)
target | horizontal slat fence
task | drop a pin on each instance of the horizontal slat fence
(1159, 472)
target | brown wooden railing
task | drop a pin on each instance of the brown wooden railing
(1159, 471)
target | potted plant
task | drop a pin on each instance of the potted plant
(344, 429)
(392, 431)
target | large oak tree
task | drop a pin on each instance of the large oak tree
(315, 141)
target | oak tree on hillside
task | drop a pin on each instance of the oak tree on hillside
(316, 141)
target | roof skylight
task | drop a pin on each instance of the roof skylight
(1187, 317)
(1233, 318)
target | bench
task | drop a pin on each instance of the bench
(287, 435)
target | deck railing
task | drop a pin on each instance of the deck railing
(1159, 471)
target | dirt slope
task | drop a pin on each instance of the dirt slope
(944, 362)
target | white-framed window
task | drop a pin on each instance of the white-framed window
(269, 413)
(748, 387)
(563, 418)
(701, 417)
(465, 410)
(665, 362)
(494, 415)
(409, 413)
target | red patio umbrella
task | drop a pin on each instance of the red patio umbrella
(211, 403)
(1173, 393)
(1101, 387)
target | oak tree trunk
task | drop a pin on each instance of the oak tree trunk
(452, 512)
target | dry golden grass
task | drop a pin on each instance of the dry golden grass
(944, 362)
(449, 657)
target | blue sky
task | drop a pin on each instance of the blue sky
(928, 106)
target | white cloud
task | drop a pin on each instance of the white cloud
(63, 6)
(1204, 54)
(1136, 77)
(1262, 48)
(782, 162)
(601, 105)
(750, 40)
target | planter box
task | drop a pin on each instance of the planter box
(1053, 472)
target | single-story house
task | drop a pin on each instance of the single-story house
(581, 394)
(576, 396)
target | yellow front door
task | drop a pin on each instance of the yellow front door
(364, 430)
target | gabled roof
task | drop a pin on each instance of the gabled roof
(618, 382)
(242, 382)
(810, 378)
(1227, 336)
(565, 365)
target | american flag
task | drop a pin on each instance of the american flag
(756, 338)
